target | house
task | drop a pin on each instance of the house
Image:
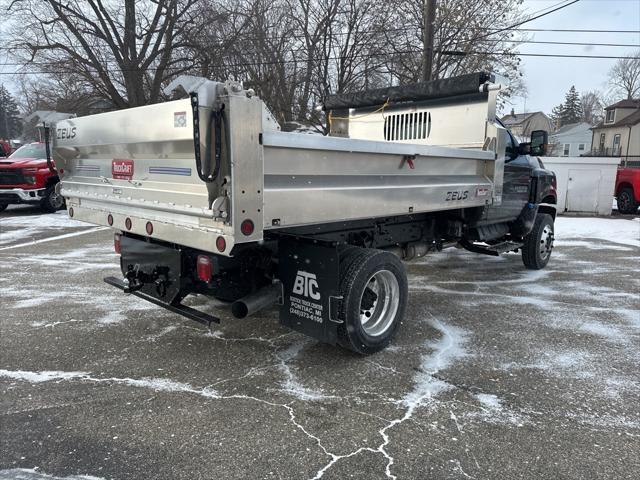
(522, 124)
(572, 140)
(618, 135)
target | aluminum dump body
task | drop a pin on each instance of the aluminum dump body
(141, 164)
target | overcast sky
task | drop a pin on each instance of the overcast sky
(549, 78)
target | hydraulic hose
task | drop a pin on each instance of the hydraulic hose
(216, 120)
(47, 149)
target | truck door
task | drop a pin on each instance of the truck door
(516, 183)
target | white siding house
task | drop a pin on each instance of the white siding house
(571, 140)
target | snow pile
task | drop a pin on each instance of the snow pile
(622, 231)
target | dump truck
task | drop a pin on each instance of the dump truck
(206, 195)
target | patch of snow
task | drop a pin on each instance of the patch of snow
(39, 377)
(444, 352)
(490, 401)
(156, 384)
(621, 231)
(27, 226)
(608, 332)
(292, 384)
(494, 411)
(34, 474)
(161, 333)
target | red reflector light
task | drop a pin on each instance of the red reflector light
(127, 223)
(246, 227)
(149, 228)
(204, 268)
(221, 244)
(116, 243)
(110, 220)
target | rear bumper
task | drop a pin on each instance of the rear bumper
(175, 307)
(21, 195)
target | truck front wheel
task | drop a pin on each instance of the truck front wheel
(374, 290)
(52, 201)
(538, 244)
(626, 202)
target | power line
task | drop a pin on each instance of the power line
(519, 42)
(304, 60)
(512, 27)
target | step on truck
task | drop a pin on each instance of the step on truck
(208, 196)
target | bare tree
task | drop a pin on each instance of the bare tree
(122, 53)
(624, 76)
(467, 37)
(592, 107)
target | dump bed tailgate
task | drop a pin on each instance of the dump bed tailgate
(138, 164)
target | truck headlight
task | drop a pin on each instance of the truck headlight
(29, 179)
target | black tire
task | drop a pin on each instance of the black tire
(538, 244)
(626, 201)
(3, 207)
(364, 275)
(52, 201)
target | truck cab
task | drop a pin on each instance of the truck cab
(26, 178)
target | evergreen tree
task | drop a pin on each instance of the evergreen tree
(570, 111)
(572, 108)
(10, 122)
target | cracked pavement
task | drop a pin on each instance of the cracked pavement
(496, 373)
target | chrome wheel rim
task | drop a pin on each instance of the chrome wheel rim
(379, 303)
(56, 200)
(546, 241)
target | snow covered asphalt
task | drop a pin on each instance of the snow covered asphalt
(497, 372)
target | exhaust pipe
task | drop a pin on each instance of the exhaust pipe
(254, 302)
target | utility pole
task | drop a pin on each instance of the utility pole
(429, 18)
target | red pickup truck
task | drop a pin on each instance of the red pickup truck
(25, 177)
(628, 189)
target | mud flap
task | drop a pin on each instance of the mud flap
(309, 273)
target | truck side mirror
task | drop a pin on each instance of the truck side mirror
(539, 141)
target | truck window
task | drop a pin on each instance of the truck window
(30, 151)
(511, 150)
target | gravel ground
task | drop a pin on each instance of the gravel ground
(496, 373)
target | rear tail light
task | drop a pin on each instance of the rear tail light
(204, 267)
(116, 243)
(127, 223)
(149, 228)
(221, 244)
(246, 227)
(70, 211)
(110, 220)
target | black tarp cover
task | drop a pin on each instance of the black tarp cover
(446, 87)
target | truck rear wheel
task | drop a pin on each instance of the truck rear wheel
(626, 201)
(538, 244)
(373, 284)
(52, 201)
(3, 207)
